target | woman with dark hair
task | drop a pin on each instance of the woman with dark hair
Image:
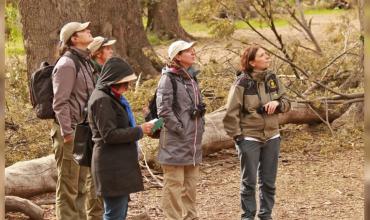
(179, 103)
(115, 167)
(251, 119)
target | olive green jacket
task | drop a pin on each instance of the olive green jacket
(245, 97)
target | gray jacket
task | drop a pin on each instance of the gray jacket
(181, 138)
(71, 91)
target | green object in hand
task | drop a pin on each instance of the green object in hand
(158, 124)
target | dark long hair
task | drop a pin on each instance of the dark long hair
(248, 55)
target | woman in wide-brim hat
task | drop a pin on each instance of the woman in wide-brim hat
(115, 168)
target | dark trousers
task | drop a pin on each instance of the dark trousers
(262, 157)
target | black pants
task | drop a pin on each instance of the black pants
(262, 157)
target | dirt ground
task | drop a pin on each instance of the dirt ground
(320, 176)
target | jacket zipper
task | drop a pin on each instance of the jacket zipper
(259, 97)
(196, 101)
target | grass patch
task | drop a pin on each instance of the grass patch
(259, 24)
(323, 11)
(191, 27)
(153, 39)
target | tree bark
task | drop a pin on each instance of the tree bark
(122, 21)
(216, 139)
(163, 20)
(118, 19)
(16, 204)
(301, 114)
(29, 178)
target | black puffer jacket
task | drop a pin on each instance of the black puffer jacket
(115, 167)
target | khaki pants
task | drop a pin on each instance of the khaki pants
(94, 204)
(179, 192)
(70, 189)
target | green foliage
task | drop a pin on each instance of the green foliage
(14, 38)
(192, 27)
(153, 39)
(259, 23)
(322, 11)
(215, 90)
(207, 12)
(222, 28)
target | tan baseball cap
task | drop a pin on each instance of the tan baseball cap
(99, 42)
(178, 46)
(70, 28)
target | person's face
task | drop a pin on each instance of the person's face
(83, 37)
(261, 61)
(186, 57)
(105, 53)
(122, 87)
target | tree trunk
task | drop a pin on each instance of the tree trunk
(16, 204)
(33, 177)
(215, 137)
(118, 19)
(122, 21)
(40, 29)
(301, 114)
(361, 16)
(163, 20)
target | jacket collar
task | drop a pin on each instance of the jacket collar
(83, 53)
(258, 75)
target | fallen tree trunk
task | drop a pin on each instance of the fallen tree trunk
(29, 178)
(216, 139)
(38, 176)
(302, 114)
(16, 204)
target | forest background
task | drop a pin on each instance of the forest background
(317, 48)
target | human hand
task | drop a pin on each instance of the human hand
(271, 106)
(147, 127)
(68, 138)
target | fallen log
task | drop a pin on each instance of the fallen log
(39, 176)
(216, 139)
(29, 178)
(16, 204)
(301, 114)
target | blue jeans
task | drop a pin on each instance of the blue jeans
(262, 158)
(115, 208)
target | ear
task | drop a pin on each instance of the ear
(252, 63)
(178, 57)
(73, 39)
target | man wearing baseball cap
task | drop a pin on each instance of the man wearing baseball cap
(100, 51)
(72, 85)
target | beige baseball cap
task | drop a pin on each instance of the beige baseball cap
(70, 28)
(99, 42)
(178, 46)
